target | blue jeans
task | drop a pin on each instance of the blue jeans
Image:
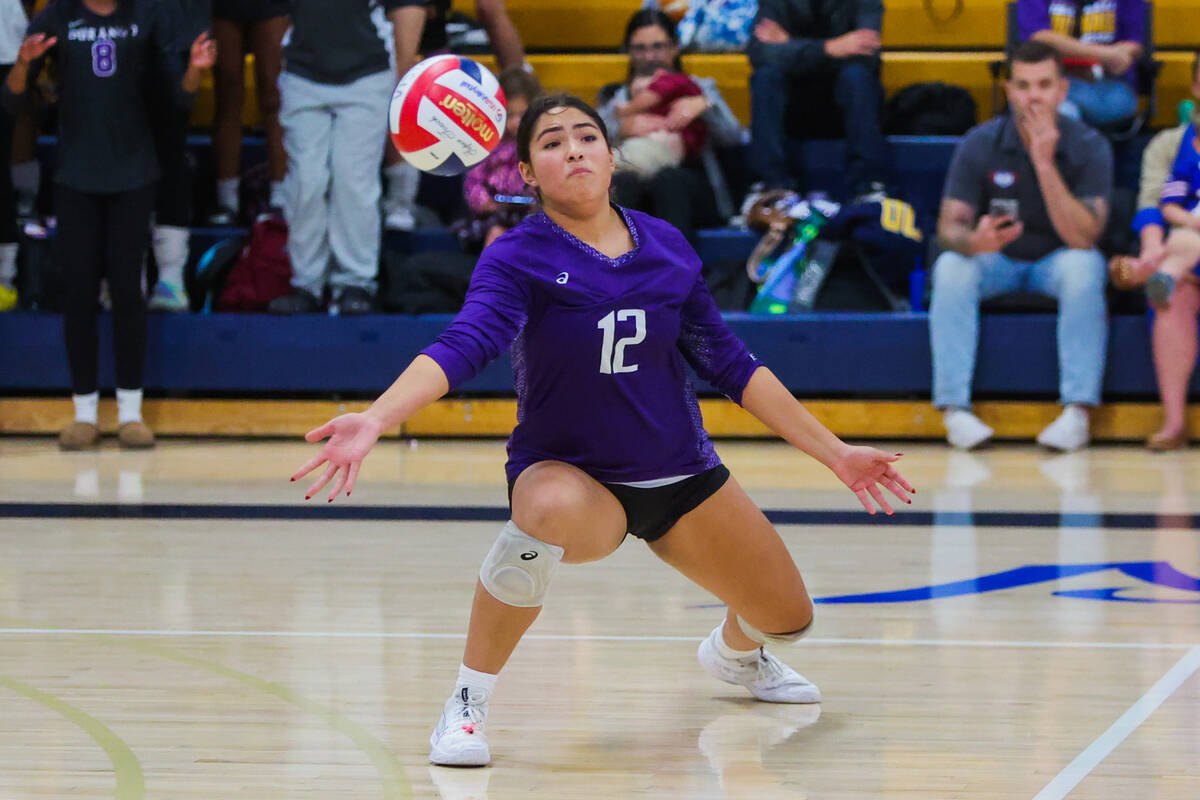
(850, 90)
(1101, 103)
(1075, 277)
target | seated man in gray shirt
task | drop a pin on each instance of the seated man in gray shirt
(1025, 203)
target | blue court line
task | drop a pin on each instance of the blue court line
(324, 511)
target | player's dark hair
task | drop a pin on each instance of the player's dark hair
(1032, 51)
(540, 106)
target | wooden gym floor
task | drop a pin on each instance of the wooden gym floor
(179, 624)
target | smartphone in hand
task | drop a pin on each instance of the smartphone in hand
(1005, 207)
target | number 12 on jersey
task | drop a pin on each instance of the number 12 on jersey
(612, 356)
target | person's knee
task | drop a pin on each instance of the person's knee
(488, 10)
(768, 79)
(857, 74)
(1081, 275)
(550, 498)
(956, 278)
(1184, 243)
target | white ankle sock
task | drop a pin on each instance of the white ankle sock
(479, 681)
(87, 407)
(129, 405)
(728, 652)
(403, 182)
(170, 244)
(227, 193)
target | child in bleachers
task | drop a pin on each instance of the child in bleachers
(653, 91)
(1180, 204)
(497, 197)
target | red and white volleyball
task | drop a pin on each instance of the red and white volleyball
(447, 114)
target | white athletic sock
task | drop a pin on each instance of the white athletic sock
(728, 652)
(403, 182)
(227, 193)
(482, 682)
(276, 194)
(129, 405)
(170, 245)
(87, 407)
(8, 265)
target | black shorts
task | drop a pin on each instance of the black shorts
(249, 10)
(650, 513)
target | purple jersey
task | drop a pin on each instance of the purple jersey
(598, 349)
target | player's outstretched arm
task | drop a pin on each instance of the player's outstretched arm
(351, 436)
(862, 469)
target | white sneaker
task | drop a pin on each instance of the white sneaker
(400, 218)
(1068, 432)
(964, 430)
(458, 739)
(764, 675)
(167, 297)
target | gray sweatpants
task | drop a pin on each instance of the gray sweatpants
(334, 137)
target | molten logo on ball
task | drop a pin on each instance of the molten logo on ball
(447, 114)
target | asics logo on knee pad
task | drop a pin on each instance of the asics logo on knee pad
(518, 568)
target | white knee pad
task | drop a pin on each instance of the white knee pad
(773, 638)
(518, 568)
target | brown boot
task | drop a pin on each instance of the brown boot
(135, 435)
(79, 436)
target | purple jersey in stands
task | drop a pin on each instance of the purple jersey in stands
(598, 349)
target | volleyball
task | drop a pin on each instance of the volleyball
(447, 114)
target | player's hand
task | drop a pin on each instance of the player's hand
(768, 31)
(204, 52)
(993, 234)
(351, 437)
(35, 47)
(865, 469)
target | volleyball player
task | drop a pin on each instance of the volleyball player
(602, 306)
(106, 52)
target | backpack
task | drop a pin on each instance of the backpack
(263, 270)
(714, 26)
(929, 109)
(819, 255)
(429, 282)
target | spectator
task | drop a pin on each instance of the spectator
(816, 72)
(653, 91)
(12, 31)
(172, 209)
(497, 196)
(403, 180)
(1101, 41)
(335, 92)
(1025, 202)
(1170, 173)
(104, 52)
(692, 195)
(241, 26)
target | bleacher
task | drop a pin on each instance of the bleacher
(574, 46)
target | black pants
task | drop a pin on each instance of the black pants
(680, 195)
(104, 236)
(172, 205)
(8, 197)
